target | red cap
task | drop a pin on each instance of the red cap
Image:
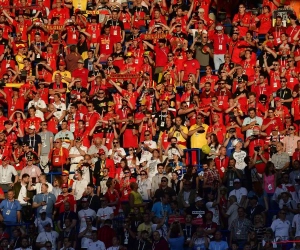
(65, 185)
(287, 116)
(101, 152)
(276, 99)
(62, 63)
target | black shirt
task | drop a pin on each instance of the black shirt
(101, 105)
(285, 94)
(161, 118)
(33, 141)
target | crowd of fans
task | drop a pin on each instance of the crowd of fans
(149, 125)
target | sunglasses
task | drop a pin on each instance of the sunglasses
(143, 174)
(147, 134)
(291, 128)
(56, 142)
(282, 80)
(163, 180)
(275, 64)
(126, 172)
(101, 93)
(5, 78)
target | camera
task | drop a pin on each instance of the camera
(177, 127)
(232, 130)
(173, 145)
(273, 149)
(257, 148)
(58, 109)
(253, 137)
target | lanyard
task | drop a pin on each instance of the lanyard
(7, 202)
(143, 245)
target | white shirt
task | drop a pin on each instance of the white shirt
(79, 187)
(47, 236)
(83, 213)
(239, 193)
(38, 187)
(105, 213)
(248, 120)
(152, 164)
(145, 153)
(296, 224)
(116, 157)
(40, 104)
(85, 241)
(6, 173)
(97, 245)
(75, 151)
(281, 229)
(22, 194)
(143, 186)
(39, 223)
(62, 107)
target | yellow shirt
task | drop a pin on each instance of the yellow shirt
(65, 73)
(181, 141)
(19, 59)
(198, 140)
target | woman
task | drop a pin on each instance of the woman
(214, 145)
(152, 165)
(79, 186)
(175, 236)
(112, 196)
(132, 160)
(176, 183)
(19, 117)
(57, 182)
(192, 176)
(120, 169)
(143, 166)
(259, 227)
(269, 178)
(144, 185)
(135, 198)
(177, 164)
(125, 184)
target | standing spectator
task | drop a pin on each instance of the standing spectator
(281, 226)
(280, 159)
(11, 210)
(85, 212)
(46, 238)
(7, 172)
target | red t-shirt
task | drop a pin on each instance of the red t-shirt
(83, 75)
(190, 67)
(161, 58)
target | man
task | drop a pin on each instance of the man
(64, 197)
(147, 146)
(76, 154)
(6, 173)
(280, 159)
(218, 243)
(105, 212)
(284, 93)
(45, 201)
(32, 120)
(290, 141)
(197, 133)
(67, 214)
(84, 213)
(47, 144)
(159, 242)
(164, 189)
(33, 171)
(39, 105)
(24, 195)
(65, 136)
(11, 209)
(163, 208)
(156, 180)
(239, 192)
(190, 66)
(24, 244)
(97, 145)
(180, 132)
(145, 226)
(129, 132)
(96, 244)
(143, 242)
(86, 231)
(242, 20)
(173, 148)
(41, 222)
(101, 179)
(93, 199)
(48, 236)
(240, 228)
(58, 156)
(220, 41)
(281, 226)
(59, 111)
(232, 211)
(33, 140)
(251, 121)
(42, 180)
(216, 128)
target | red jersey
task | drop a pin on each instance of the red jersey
(106, 44)
(62, 15)
(83, 75)
(190, 67)
(94, 29)
(33, 121)
(60, 201)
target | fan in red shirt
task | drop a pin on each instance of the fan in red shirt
(58, 156)
(81, 73)
(65, 196)
(104, 45)
(242, 20)
(190, 66)
(222, 161)
(60, 12)
(32, 120)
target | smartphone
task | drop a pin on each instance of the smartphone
(55, 36)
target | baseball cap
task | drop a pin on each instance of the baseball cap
(276, 99)
(198, 199)
(65, 185)
(101, 151)
(84, 200)
(219, 27)
(65, 173)
(43, 211)
(235, 142)
(237, 180)
(62, 63)
(143, 159)
(80, 61)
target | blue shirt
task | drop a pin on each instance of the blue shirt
(9, 210)
(50, 200)
(222, 245)
(158, 209)
(176, 243)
